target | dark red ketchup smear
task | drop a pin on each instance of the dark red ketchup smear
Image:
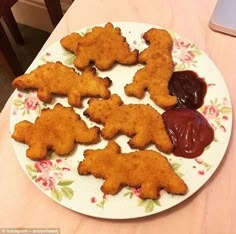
(189, 89)
(189, 131)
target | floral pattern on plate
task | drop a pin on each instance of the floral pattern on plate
(49, 175)
(26, 103)
(217, 112)
(57, 176)
(185, 53)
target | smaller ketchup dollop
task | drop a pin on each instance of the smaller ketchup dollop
(189, 131)
(189, 89)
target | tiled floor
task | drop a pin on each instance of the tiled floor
(34, 40)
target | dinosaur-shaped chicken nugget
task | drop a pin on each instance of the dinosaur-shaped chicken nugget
(158, 69)
(57, 129)
(148, 170)
(56, 78)
(140, 122)
(103, 45)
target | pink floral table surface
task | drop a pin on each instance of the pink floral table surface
(210, 210)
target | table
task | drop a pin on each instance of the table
(210, 210)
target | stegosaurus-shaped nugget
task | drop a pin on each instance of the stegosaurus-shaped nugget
(103, 45)
(140, 122)
(155, 75)
(56, 78)
(148, 170)
(57, 129)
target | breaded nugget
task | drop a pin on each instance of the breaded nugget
(70, 42)
(140, 122)
(148, 170)
(103, 46)
(57, 129)
(56, 78)
(158, 69)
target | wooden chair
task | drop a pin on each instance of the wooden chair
(8, 58)
(54, 11)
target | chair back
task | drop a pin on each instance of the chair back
(5, 5)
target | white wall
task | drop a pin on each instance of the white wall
(34, 13)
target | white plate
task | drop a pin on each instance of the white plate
(57, 176)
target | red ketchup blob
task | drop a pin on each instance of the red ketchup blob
(189, 131)
(189, 89)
